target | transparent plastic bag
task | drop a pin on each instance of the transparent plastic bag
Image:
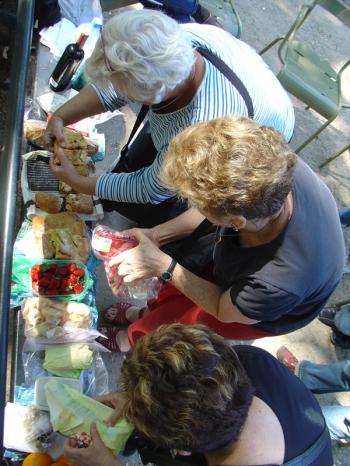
(49, 322)
(106, 244)
(94, 381)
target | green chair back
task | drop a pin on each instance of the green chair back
(337, 8)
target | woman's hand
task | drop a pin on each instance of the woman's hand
(53, 132)
(151, 233)
(65, 171)
(116, 401)
(144, 261)
(96, 454)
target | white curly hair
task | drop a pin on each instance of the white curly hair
(149, 53)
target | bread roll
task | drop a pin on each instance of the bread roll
(48, 202)
(80, 203)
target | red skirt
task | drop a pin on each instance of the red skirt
(172, 306)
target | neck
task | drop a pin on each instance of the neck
(263, 231)
(261, 440)
(184, 93)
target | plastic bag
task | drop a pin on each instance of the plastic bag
(49, 322)
(72, 413)
(95, 380)
(106, 244)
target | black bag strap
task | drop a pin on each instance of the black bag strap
(231, 76)
(225, 70)
(140, 117)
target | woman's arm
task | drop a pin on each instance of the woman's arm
(146, 260)
(177, 228)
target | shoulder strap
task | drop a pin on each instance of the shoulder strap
(231, 76)
(140, 117)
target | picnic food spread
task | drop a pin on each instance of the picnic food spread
(57, 196)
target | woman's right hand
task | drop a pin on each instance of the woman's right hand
(53, 132)
(116, 401)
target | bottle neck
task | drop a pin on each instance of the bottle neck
(81, 40)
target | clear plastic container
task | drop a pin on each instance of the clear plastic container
(39, 389)
(59, 278)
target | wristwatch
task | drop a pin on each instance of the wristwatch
(168, 275)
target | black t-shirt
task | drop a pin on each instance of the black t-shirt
(286, 282)
(294, 405)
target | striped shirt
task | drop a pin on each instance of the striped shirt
(216, 97)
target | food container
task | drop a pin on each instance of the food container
(39, 389)
(56, 278)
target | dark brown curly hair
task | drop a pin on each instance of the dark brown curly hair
(186, 389)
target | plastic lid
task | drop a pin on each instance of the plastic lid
(39, 389)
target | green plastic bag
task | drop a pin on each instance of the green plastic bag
(72, 413)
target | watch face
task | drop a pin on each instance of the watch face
(166, 276)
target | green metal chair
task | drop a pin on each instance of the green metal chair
(308, 76)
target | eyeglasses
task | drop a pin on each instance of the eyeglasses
(107, 64)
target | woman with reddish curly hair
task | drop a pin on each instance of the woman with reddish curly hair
(184, 388)
(278, 251)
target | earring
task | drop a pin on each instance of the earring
(234, 227)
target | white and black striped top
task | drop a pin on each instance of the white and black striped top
(216, 97)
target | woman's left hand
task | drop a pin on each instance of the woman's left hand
(144, 261)
(94, 455)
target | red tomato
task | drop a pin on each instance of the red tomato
(79, 272)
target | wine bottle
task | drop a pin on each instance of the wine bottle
(67, 65)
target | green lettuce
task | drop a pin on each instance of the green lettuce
(72, 413)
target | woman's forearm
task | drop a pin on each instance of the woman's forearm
(208, 296)
(177, 228)
(83, 105)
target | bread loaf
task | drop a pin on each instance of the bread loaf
(34, 131)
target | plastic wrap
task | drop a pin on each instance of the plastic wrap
(108, 243)
(49, 322)
(94, 381)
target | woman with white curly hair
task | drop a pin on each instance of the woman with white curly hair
(147, 57)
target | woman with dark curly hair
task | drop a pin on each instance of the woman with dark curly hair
(186, 389)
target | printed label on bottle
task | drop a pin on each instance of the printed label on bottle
(101, 244)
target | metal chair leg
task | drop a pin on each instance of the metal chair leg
(265, 49)
(314, 135)
(334, 156)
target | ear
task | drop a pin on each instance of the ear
(239, 221)
(184, 453)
